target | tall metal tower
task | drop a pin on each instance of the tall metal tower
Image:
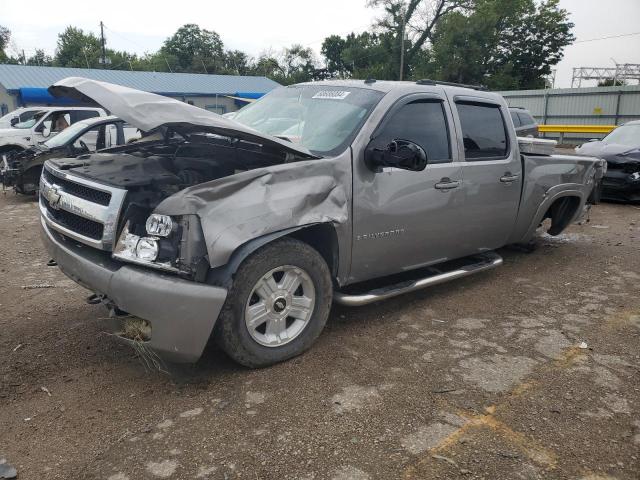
(620, 73)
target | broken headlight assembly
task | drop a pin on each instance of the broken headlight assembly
(159, 225)
(156, 246)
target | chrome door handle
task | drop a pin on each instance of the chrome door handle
(447, 184)
(508, 178)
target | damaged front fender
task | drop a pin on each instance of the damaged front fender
(236, 209)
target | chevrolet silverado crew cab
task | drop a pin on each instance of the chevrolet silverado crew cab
(245, 230)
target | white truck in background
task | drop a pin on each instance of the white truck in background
(41, 126)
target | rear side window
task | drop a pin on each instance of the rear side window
(77, 115)
(423, 122)
(483, 131)
(515, 118)
(526, 119)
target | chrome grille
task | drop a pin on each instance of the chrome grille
(81, 209)
(81, 191)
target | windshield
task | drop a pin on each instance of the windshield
(65, 136)
(28, 124)
(29, 120)
(323, 119)
(18, 116)
(625, 135)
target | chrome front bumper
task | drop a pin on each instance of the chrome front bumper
(182, 313)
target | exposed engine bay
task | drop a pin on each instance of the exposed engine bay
(153, 171)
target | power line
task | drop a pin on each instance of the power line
(608, 37)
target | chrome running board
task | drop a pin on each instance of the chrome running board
(477, 263)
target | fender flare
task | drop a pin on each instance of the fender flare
(223, 275)
(11, 146)
(553, 194)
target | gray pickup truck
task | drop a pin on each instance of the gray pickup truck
(246, 230)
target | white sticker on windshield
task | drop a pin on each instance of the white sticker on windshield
(331, 94)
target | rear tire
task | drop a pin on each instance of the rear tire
(277, 306)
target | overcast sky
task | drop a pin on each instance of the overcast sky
(256, 26)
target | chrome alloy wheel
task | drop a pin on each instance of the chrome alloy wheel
(280, 306)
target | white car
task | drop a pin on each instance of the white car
(44, 124)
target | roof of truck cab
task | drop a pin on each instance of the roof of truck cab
(403, 87)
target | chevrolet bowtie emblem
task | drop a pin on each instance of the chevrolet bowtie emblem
(53, 197)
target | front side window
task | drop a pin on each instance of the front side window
(422, 122)
(483, 131)
(69, 134)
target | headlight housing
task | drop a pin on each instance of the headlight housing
(159, 225)
(152, 251)
(147, 249)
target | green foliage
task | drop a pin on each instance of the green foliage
(40, 59)
(504, 44)
(360, 56)
(5, 36)
(194, 50)
(75, 48)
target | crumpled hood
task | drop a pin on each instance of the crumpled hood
(148, 111)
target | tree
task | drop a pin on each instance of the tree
(5, 37)
(530, 45)
(504, 44)
(364, 55)
(235, 62)
(420, 19)
(297, 65)
(40, 59)
(75, 48)
(195, 49)
(268, 66)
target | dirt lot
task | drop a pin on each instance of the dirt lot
(480, 378)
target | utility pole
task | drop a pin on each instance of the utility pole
(404, 14)
(104, 52)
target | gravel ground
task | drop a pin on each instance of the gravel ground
(484, 377)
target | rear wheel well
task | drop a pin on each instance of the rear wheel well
(561, 212)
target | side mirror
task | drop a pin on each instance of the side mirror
(46, 131)
(14, 121)
(403, 154)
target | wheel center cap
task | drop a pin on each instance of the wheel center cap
(279, 305)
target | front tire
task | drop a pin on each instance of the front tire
(277, 306)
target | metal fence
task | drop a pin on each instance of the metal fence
(579, 106)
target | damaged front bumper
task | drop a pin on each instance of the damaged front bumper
(182, 313)
(621, 185)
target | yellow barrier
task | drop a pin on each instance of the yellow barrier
(562, 129)
(576, 128)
